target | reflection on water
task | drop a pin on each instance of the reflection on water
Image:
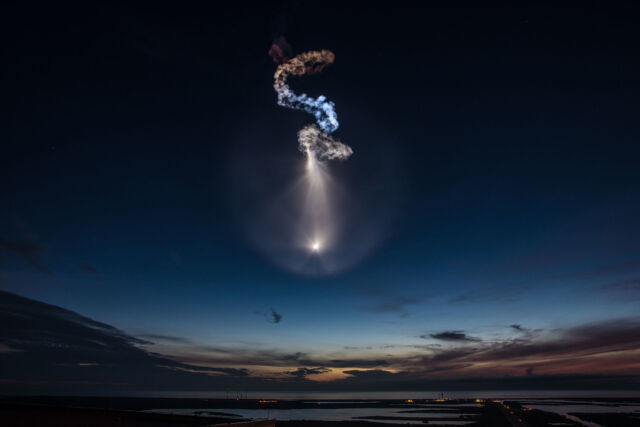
(462, 413)
(337, 414)
(565, 407)
(591, 407)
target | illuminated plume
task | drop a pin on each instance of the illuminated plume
(311, 62)
(312, 140)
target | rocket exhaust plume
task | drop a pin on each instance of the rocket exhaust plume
(298, 214)
(314, 140)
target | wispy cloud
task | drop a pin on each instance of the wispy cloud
(87, 268)
(304, 372)
(275, 316)
(273, 358)
(164, 338)
(525, 332)
(622, 285)
(495, 294)
(386, 303)
(272, 316)
(450, 336)
(29, 251)
(51, 345)
(608, 346)
(47, 343)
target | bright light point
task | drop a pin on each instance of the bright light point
(315, 246)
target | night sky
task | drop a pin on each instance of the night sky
(490, 224)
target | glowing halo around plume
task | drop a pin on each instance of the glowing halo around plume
(312, 217)
(316, 143)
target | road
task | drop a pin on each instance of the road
(511, 416)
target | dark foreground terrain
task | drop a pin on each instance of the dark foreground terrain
(125, 411)
(35, 415)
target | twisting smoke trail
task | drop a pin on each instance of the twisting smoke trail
(305, 219)
(313, 140)
(311, 62)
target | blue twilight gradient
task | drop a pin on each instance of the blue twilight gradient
(505, 170)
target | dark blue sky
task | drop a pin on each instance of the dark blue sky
(494, 180)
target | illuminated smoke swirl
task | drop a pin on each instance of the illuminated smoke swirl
(318, 218)
(311, 62)
(312, 140)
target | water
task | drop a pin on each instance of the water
(339, 414)
(565, 407)
(549, 401)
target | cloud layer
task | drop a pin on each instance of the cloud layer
(48, 348)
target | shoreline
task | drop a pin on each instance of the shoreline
(72, 411)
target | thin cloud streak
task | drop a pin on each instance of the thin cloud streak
(450, 336)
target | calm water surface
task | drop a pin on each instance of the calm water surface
(339, 414)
